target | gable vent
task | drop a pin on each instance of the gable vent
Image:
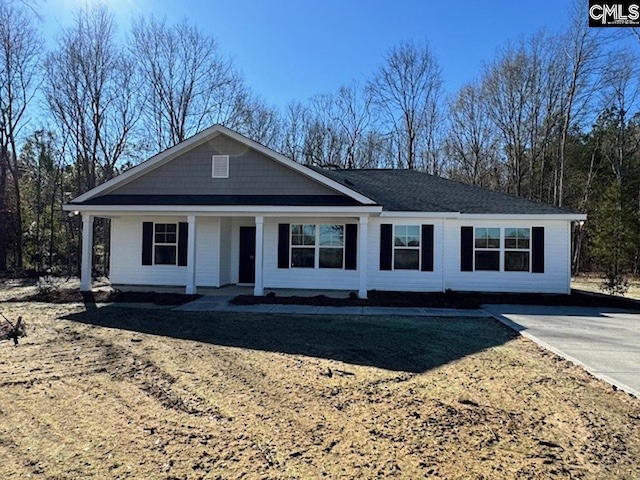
(220, 166)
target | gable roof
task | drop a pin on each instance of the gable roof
(415, 191)
(166, 156)
(394, 190)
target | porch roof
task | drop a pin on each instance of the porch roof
(224, 200)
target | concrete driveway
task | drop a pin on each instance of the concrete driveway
(606, 342)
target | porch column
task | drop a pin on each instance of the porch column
(362, 256)
(87, 252)
(191, 255)
(258, 286)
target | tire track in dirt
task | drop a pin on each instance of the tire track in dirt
(47, 362)
(153, 411)
(72, 354)
(291, 436)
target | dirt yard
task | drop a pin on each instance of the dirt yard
(119, 392)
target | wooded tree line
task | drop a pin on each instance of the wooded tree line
(554, 117)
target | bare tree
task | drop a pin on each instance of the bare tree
(617, 128)
(20, 50)
(334, 130)
(190, 84)
(471, 143)
(91, 91)
(523, 91)
(579, 49)
(293, 131)
(407, 89)
(258, 121)
(353, 118)
(324, 144)
(507, 88)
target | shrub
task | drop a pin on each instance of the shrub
(614, 284)
(48, 284)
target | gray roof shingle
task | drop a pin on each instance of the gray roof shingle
(415, 191)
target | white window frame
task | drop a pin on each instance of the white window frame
(341, 247)
(316, 246)
(309, 247)
(502, 250)
(497, 249)
(517, 249)
(413, 247)
(165, 244)
(220, 158)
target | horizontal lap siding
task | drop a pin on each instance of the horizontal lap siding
(126, 254)
(217, 261)
(403, 280)
(554, 280)
(207, 264)
(250, 173)
(324, 278)
(225, 251)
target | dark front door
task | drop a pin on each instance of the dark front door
(247, 272)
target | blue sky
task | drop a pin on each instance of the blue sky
(292, 49)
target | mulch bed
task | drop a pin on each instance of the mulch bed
(75, 296)
(459, 300)
(450, 299)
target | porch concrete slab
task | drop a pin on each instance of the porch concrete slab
(299, 309)
(226, 291)
(207, 303)
(606, 342)
(393, 311)
(326, 310)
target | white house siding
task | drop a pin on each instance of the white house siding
(309, 278)
(555, 278)
(217, 257)
(225, 251)
(403, 280)
(126, 254)
(207, 248)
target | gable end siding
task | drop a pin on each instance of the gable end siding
(250, 173)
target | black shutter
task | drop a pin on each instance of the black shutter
(427, 248)
(147, 243)
(466, 249)
(386, 246)
(283, 245)
(537, 249)
(183, 241)
(350, 246)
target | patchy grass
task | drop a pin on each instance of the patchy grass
(75, 296)
(123, 393)
(27, 291)
(592, 283)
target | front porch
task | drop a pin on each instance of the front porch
(211, 253)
